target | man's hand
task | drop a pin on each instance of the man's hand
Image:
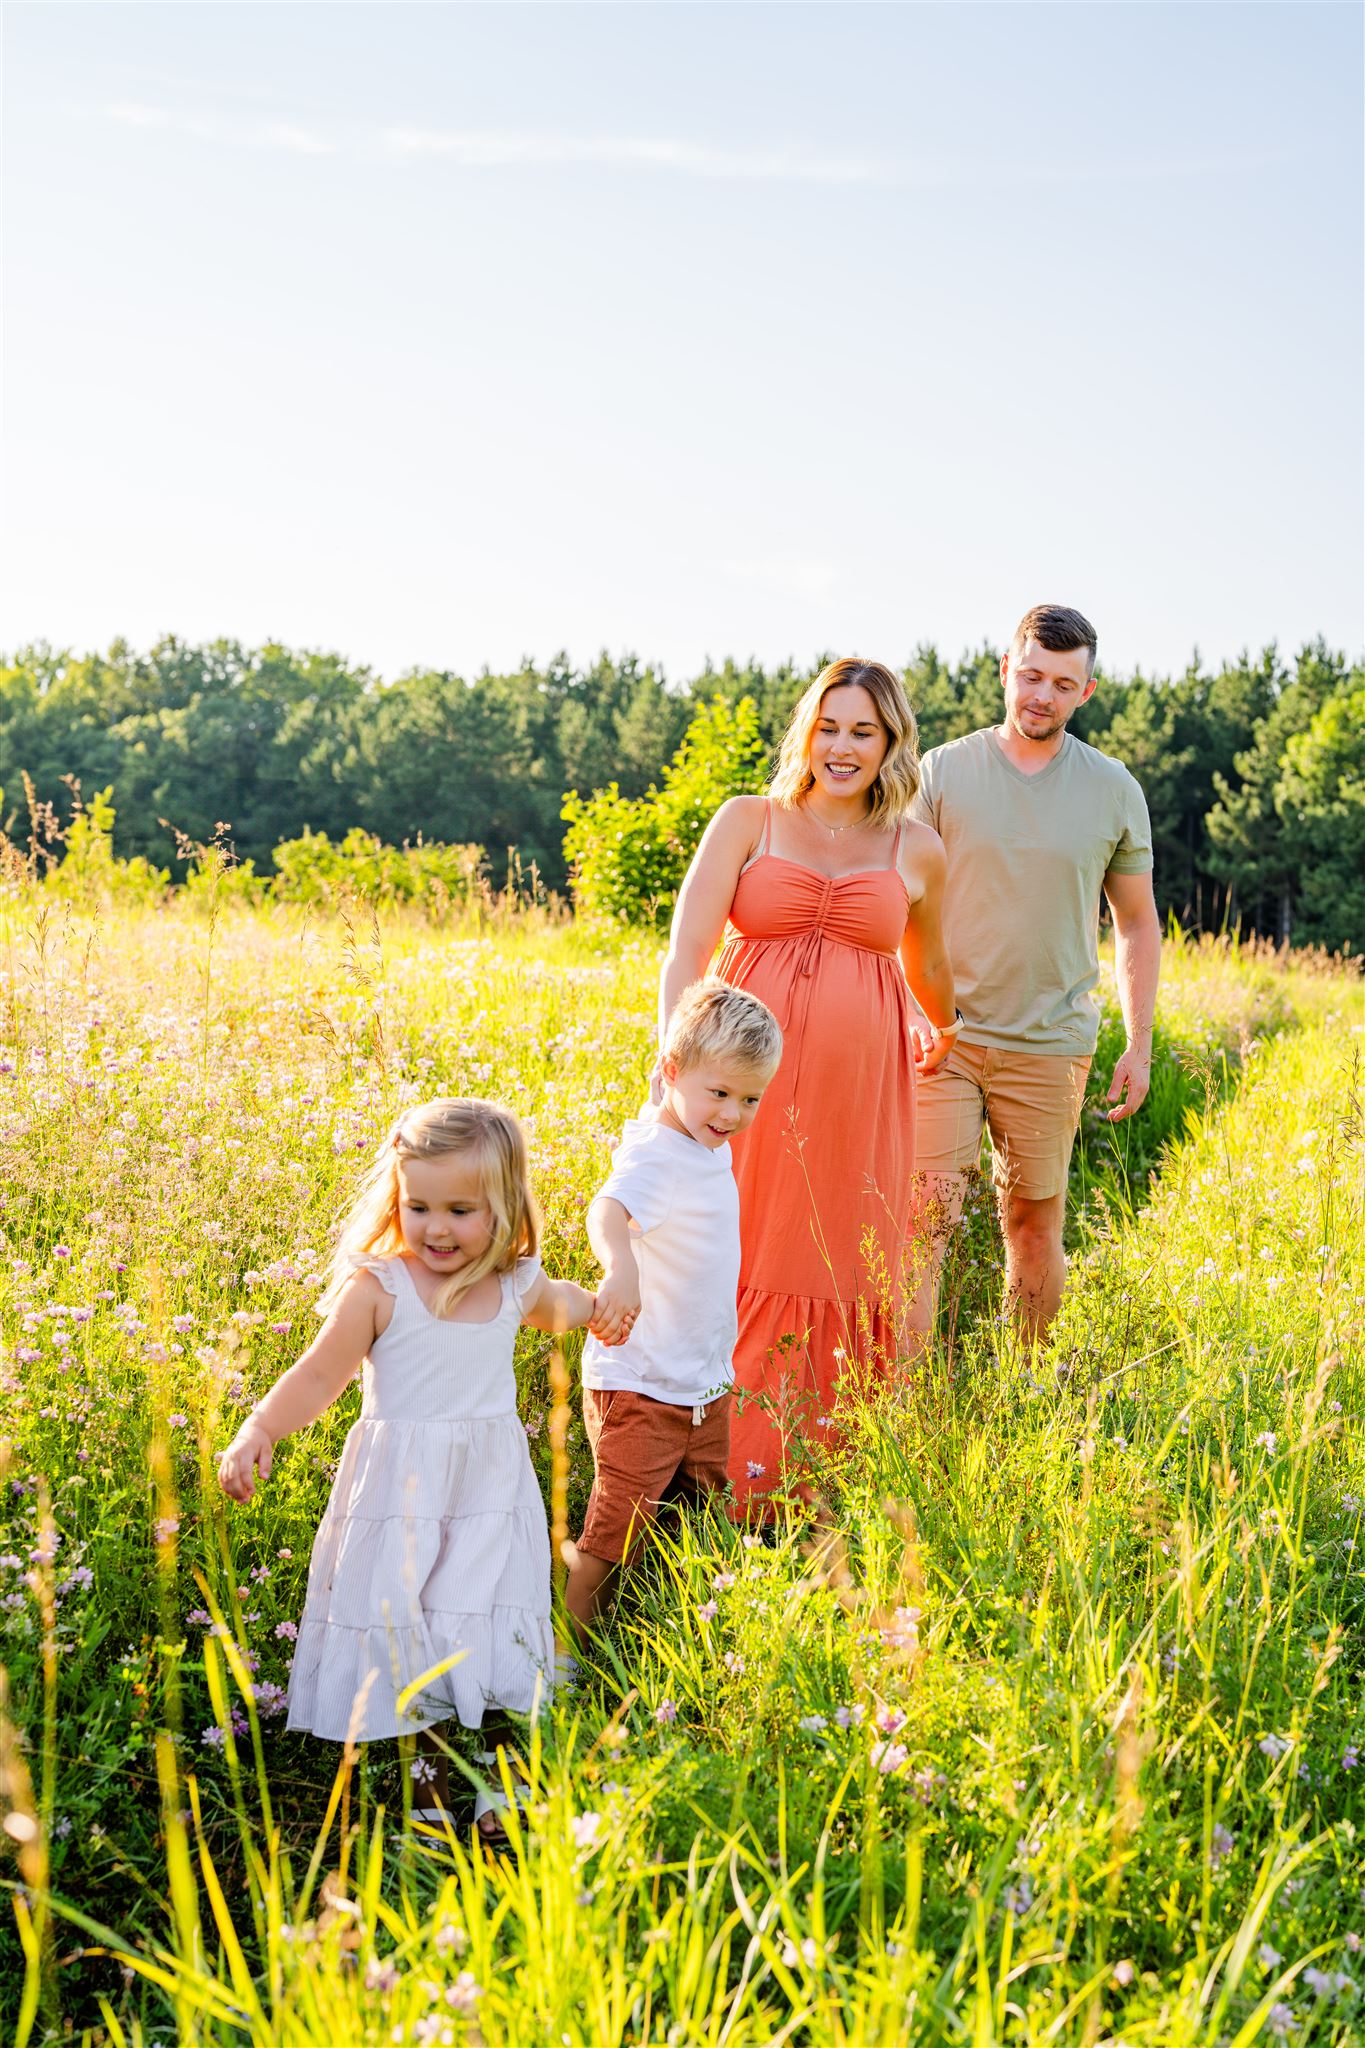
(250, 1452)
(618, 1304)
(1133, 1072)
(928, 1052)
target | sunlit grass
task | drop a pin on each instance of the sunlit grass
(1034, 1720)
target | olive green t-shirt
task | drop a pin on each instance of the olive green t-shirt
(1027, 857)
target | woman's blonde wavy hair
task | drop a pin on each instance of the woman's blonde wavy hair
(897, 780)
(434, 1130)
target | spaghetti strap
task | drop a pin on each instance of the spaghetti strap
(895, 846)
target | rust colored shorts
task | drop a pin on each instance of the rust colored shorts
(1030, 1101)
(647, 1453)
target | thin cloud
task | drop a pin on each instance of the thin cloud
(485, 151)
(241, 133)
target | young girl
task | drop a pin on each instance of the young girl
(434, 1539)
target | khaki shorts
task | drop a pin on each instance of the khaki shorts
(1031, 1103)
(647, 1453)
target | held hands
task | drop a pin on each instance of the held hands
(928, 1052)
(1133, 1072)
(251, 1451)
(618, 1304)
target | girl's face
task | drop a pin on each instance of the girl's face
(849, 742)
(443, 1212)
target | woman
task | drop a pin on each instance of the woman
(829, 896)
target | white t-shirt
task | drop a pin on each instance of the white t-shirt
(684, 1209)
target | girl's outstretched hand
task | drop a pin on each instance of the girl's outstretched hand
(251, 1451)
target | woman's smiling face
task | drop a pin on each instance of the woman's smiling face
(849, 742)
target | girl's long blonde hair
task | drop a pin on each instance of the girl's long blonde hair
(893, 792)
(434, 1130)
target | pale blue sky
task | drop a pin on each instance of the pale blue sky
(448, 334)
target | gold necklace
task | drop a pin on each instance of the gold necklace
(833, 830)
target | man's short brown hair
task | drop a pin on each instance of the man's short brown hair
(1058, 628)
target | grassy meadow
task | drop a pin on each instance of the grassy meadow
(1037, 1718)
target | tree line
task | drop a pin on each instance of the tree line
(1254, 772)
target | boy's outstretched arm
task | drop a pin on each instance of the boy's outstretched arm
(300, 1395)
(618, 1298)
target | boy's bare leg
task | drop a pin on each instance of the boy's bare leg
(934, 1215)
(584, 1592)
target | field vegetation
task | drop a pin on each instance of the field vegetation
(1036, 1718)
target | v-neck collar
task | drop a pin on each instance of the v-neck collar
(1040, 774)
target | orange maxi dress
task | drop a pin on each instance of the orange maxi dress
(825, 1169)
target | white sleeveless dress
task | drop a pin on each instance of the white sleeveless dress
(434, 1539)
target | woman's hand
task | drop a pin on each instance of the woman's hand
(251, 1451)
(928, 1052)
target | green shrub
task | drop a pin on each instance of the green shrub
(89, 873)
(628, 856)
(311, 869)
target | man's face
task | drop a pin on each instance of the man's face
(1043, 688)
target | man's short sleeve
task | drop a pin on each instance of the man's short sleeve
(925, 804)
(642, 1180)
(1133, 854)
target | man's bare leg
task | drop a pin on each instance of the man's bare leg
(1035, 1261)
(934, 1216)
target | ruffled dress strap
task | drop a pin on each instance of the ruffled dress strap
(392, 1274)
(521, 1281)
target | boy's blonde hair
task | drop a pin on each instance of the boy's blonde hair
(433, 1130)
(893, 792)
(713, 1021)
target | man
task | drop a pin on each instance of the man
(1035, 823)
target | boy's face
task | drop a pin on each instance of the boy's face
(711, 1102)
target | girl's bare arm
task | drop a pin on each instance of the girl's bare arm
(309, 1387)
(558, 1305)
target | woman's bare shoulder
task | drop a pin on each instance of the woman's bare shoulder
(920, 858)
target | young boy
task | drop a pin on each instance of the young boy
(665, 1227)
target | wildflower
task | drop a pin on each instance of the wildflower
(1220, 1846)
(59, 1251)
(10, 1562)
(1269, 1439)
(1352, 1940)
(665, 1712)
(890, 1719)
(1281, 2019)
(585, 1828)
(451, 1937)
(1350, 1757)
(166, 1528)
(1269, 1958)
(214, 1738)
(888, 1757)
(752, 1542)
(284, 1553)
(380, 1975)
(753, 1470)
(733, 1663)
(808, 1953)
(1319, 1982)
(1274, 1746)
(178, 1421)
(289, 1630)
(723, 1581)
(1124, 1973)
(465, 1993)
(182, 1323)
(812, 1723)
(707, 1611)
(1018, 1897)
(849, 1717)
(81, 1576)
